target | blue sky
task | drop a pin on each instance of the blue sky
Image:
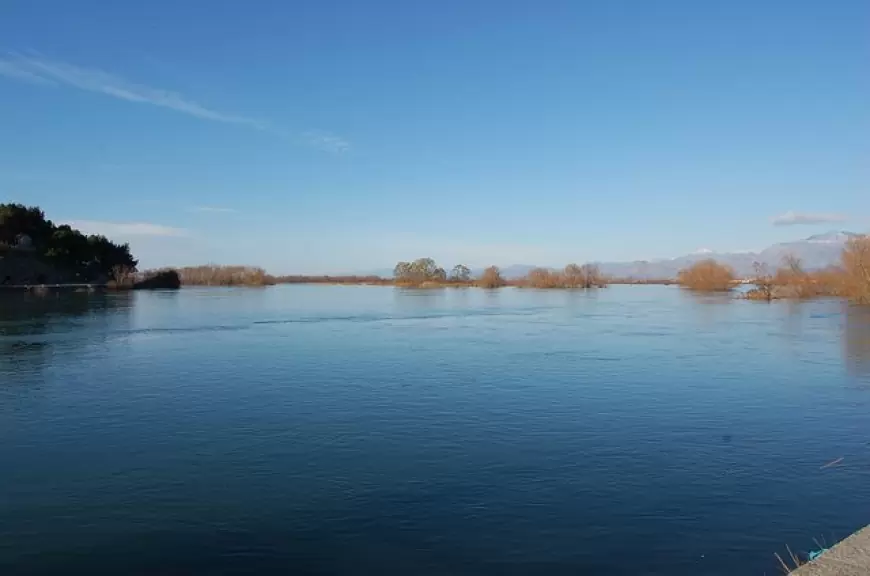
(329, 136)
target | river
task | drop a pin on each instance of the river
(373, 430)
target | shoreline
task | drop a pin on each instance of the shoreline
(848, 557)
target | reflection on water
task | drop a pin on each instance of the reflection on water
(30, 324)
(856, 338)
(349, 430)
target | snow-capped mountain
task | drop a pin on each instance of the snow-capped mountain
(815, 252)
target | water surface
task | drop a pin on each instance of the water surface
(371, 430)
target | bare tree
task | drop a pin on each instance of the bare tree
(764, 283)
(793, 264)
(591, 275)
(542, 278)
(573, 276)
(215, 275)
(856, 267)
(491, 278)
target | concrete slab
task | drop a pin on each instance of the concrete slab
(851, 557)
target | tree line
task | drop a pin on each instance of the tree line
(92, 258)
(849, 279)
(425, 272)
(570, 277)
(78, 256)
(216, 275)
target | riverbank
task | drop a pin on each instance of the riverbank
(51, 288)
(850, 557)
(163, 280)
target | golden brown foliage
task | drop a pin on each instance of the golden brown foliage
(214, 275)
(491, 278)
(542, 278)
(571, 277)
(707, 276)
(856, 270)
(792, 281)
(591, 277)
(764, 284)
(302, 279)
(850, 280)
(632, 281)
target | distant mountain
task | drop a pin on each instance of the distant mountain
(513, 271)
(814, 252)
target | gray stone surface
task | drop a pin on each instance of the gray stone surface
(851, 557)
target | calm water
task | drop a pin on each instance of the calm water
(365, 430)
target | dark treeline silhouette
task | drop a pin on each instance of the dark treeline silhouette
(167, 279)
(75, 257)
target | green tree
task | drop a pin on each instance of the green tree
(402, 272)
(419, 271)
(17, 219)
(67, 249)
(460, 273)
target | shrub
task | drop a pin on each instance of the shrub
(542, 278)
(214, 275)
(418, 272)
(491, 278)
(707, 276)
(856, 270)
(571, 277)
(159, 280)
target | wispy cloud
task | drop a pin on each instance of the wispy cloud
(35, 69)
(10, 69)
(39, 70)
(327, 141)
(126, 229)
(792, 218)
(214, 210)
